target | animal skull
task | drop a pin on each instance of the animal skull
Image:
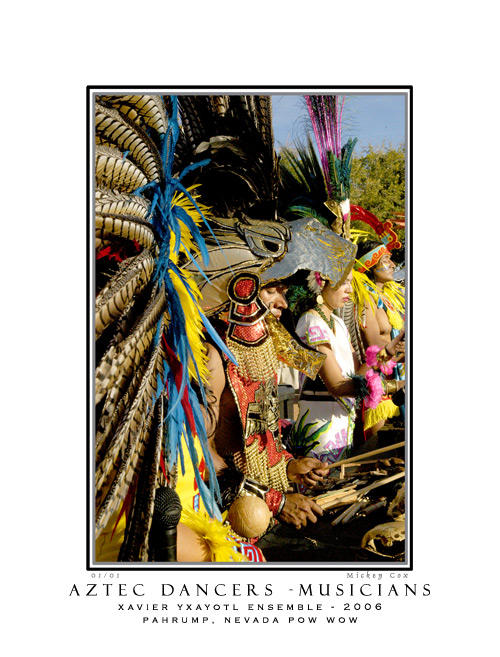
(387, 540)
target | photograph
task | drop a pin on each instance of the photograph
(252, 246)
(250, 269)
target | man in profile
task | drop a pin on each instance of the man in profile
(245, 302)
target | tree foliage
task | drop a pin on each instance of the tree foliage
(378, 181)
(378, 185)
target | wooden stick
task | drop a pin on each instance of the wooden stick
(326, 498)
(363, 456)
(345, 495)
(357, 463)
(354, 464)
(353, 509)
(350, 509)
(376, 484)
(349, 498)
(338, 491)
(369, 462)
(381, 482)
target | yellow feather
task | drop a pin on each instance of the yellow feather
(194, 324)
(396, 295)
(183, 202)
(356, 235)
(109, 541)
(361, 295)
(218, 536)
(364, 293)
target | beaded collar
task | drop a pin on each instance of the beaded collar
(330, 321)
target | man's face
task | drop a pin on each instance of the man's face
(384, 270)
(274, 297)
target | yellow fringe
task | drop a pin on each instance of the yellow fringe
(218, 536)
(395, 320)
(361, 295)
(396, 292)
(384, 411)
(358, 234)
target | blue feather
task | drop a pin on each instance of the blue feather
(192, 167)
(206, 323)
(193, 201)
(198, 267)
(184, 217)
(216, 338)
(167, 221)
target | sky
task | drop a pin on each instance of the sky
(374, 118)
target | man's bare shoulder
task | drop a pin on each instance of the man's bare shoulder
(214, 360)
(216, 374)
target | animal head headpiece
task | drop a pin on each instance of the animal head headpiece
(385, 233)
(235, 246)
(314, 247)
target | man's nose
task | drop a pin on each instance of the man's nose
(281, 301)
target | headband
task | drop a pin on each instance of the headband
(385, 232)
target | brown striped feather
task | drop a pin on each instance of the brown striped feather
(115, 404)
(136, 543)
(114, 129)
(126, 441)
(119, 361)
(133, 275)
(141, 109)
(113, 170)
(108, 201)
(125, 227)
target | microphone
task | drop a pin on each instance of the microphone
(166, 516)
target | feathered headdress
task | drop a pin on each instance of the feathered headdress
(326, 118)
(235, 133)
(148, 322)
(239, 183)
